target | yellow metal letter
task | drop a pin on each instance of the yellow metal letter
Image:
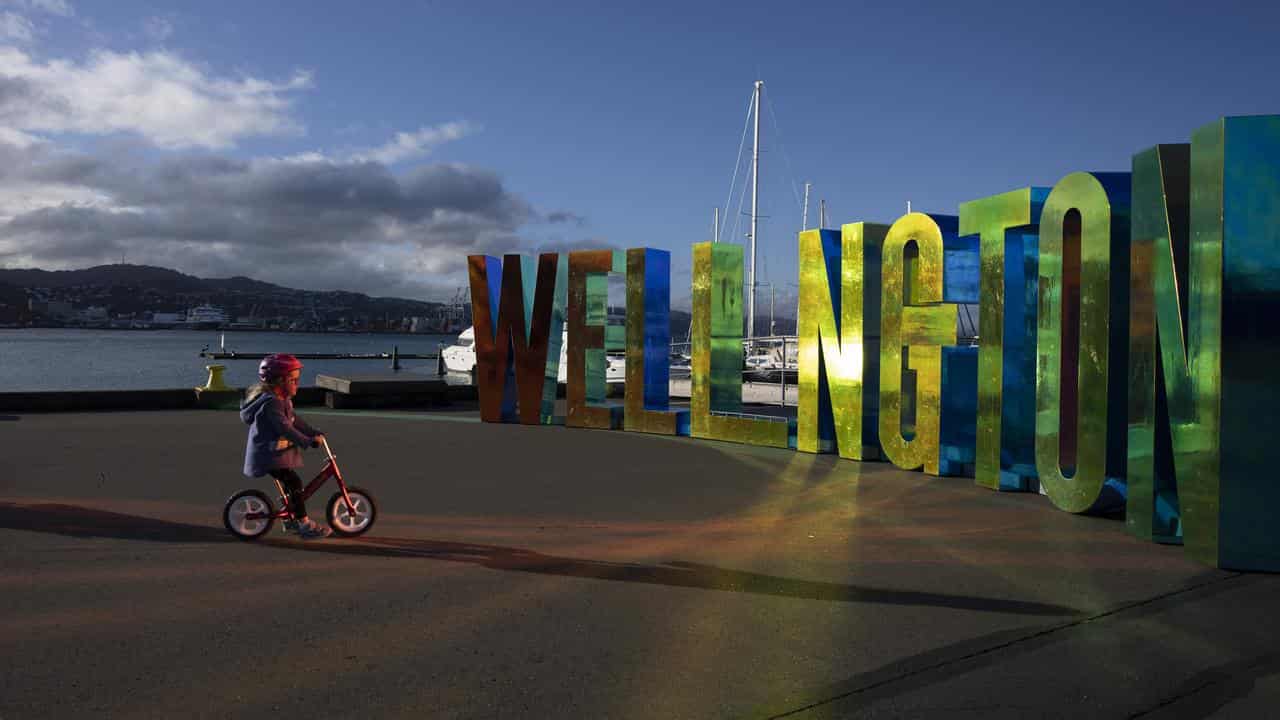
(913, 319)
(996, 220)
(1083, 329)
(838, 362)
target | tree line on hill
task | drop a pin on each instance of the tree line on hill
(127, 290)
(131, 291)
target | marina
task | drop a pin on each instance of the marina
(319, 356)
(118, 361)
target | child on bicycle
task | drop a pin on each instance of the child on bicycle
(276, 436)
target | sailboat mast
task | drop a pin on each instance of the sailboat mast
(755, 207)
(804, 224)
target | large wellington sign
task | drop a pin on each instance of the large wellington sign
(1128, 343)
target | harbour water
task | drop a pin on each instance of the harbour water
(44, 359)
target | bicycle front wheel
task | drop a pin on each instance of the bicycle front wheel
(347, 523)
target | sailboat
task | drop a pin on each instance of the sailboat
(460, 358)
(778, 358)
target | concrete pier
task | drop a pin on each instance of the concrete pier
(551, 572)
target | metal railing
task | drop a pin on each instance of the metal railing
(784, 369)
(775, 362)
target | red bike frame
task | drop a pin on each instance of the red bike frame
(330, 469)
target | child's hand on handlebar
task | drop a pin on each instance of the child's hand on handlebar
(315, 441)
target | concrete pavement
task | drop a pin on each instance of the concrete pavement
(548, 572)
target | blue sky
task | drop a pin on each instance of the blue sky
(371, 146)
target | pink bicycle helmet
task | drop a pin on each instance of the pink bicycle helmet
(277, 365)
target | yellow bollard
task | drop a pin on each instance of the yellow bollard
(216, 394)
(214, 382)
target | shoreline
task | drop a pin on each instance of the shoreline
(190, 398)
(226, 329)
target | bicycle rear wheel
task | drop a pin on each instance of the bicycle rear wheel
(236, 514)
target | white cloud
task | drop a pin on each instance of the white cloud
(17, 198)
(415, 144)
(57, 7)
(310, 156)
(15, 27)
(17, 138)
(158, 28)
(53, 7)
(402, 147)
(158, 95)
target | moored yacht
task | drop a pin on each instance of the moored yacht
(772, 359)
(461, 358)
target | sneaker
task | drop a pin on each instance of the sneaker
(289, 526)
(309, 529)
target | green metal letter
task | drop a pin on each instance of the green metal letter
(1083, 335)
(585, 387)
(1204, 298)
(716, 368)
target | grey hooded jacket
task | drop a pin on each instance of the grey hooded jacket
(276, 435)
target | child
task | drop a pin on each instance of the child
(276, 436)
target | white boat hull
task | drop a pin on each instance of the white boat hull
(461, 359)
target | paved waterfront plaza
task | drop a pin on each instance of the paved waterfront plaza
(547, 572)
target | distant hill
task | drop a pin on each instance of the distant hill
(128, 290)
(240, 283)
(158, 288)
(159, 279)
(108, 275)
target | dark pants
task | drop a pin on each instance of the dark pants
(293, 484)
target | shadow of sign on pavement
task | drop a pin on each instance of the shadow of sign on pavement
(83, 522)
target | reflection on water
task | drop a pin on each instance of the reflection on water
(44, 359)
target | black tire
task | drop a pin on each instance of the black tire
(341, 521)
(241, 503)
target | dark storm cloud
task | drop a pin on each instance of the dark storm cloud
(14, 91)
(349, 225)
(72, 233)
(560, 245)
(18, 95)
(564, 216)
(71, 170)
(345, 196)
(465, 190)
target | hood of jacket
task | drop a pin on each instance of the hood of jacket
(250, 408)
